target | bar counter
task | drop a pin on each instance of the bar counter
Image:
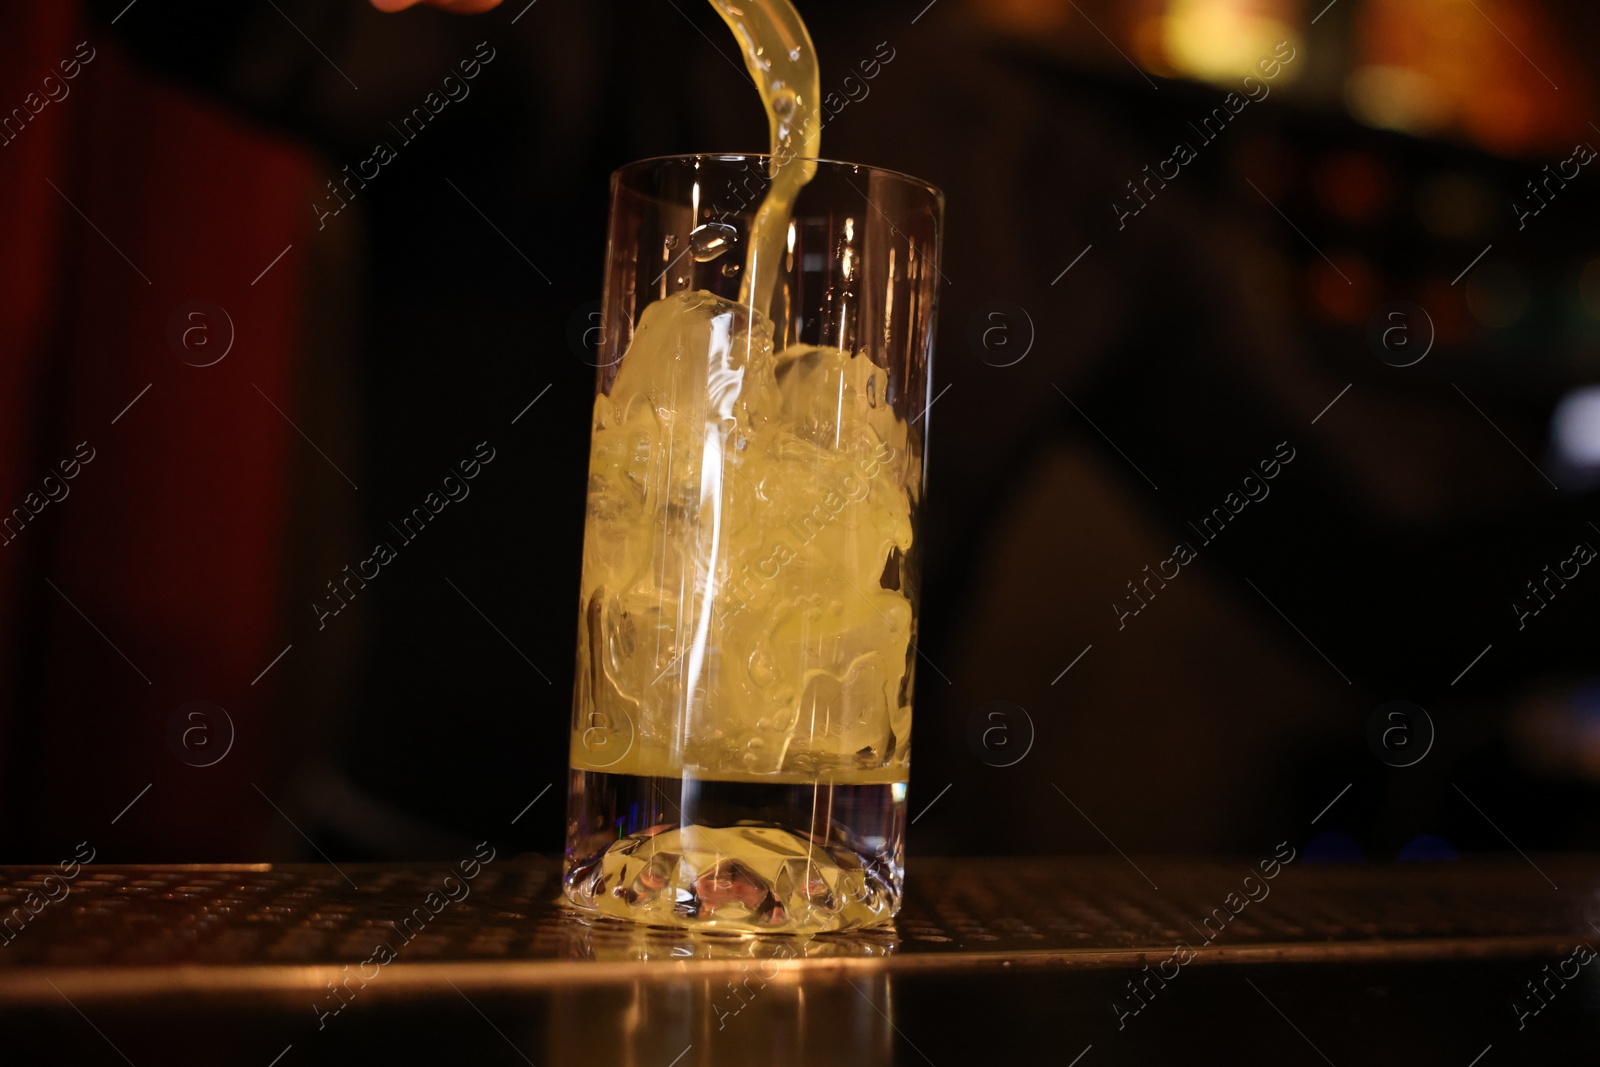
(1060, 960)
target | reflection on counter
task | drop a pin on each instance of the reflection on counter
(841, 1020)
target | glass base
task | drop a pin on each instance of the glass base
(751, 857)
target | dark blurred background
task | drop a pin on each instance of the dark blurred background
(265, 385)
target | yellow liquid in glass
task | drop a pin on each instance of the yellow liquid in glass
(747, 509)
(742, 720)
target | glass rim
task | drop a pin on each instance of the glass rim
(739, 157)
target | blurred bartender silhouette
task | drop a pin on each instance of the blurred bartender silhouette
(1168, 272)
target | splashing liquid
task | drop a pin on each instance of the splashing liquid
(742, 714)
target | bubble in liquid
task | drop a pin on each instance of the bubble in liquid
(783, 102)
(872, 391)
(794, 55)
(670, 240)
(709, 241)
(729, 269)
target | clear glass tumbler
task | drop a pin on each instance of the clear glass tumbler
(747, 621)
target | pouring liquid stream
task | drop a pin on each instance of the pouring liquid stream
(783, 64)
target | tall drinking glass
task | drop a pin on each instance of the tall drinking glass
(748, 614)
